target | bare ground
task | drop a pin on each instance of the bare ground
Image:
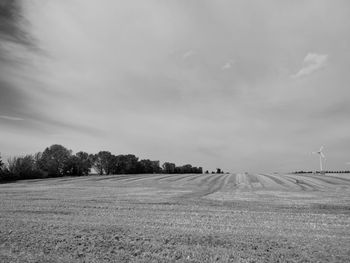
(177, 218)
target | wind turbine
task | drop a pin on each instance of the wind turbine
(321, 155)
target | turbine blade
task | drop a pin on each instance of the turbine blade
(321, 153)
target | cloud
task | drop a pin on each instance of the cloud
(188, 54)
(312, 62)
(195, 73)
(10, 118)
(228, 65)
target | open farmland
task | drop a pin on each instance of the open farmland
(177, 218)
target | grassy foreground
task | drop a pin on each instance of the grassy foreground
(177, 218)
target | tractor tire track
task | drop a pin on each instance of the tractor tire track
(282, 182)
(195, 177)
(215, 184)
(149, 177)
(181, 177)
(302, 183)
(330, 180)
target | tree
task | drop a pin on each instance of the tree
(145, 166)
(24, 168)
(5, 175)
(169, 168)
(72, 166)
(156, 167)
(197, 170)
(57, 160)
(126, 164)
(103, 162)
(78, 164)
(37, 157)
(148, 166)
(84, 163)
(2, 170)
(54, 160)
(96, 164)
(186, 169)
(1, 164)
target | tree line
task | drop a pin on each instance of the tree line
(325, 172)
(57, 161)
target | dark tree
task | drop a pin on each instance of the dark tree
(103, 162)
(5, 175)
(78, 164)
(54, 160)
(96, 163)
(156, 167)
(72, 166)
(127, 164)
(169, 168)
(197, 170)
(37, 157)
(145, 166)
(148, 166)
(1, 164)
(24, 168)
(186, 169)
(57, 160)
(84, 162)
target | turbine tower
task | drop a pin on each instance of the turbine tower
(321, 155)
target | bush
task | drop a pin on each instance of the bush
(24, 168)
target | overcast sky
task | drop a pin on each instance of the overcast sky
(242, 85)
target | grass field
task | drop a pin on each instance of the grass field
(177, 218)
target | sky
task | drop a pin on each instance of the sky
(242, 85)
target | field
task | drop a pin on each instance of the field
(177, 218)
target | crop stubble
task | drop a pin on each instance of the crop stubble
(177, 218)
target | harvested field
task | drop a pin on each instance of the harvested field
(177, 218)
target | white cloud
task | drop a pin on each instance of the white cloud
(311, 63)
(227, 65)
(188, 54)
(11, 118)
